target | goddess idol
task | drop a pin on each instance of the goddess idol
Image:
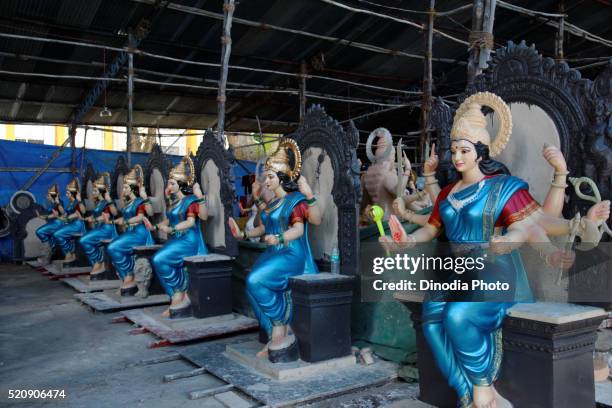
(73, 221)
(55, 208)
(186, 205)
(121, 249)
(283, 225)
(91, 242)
(465, 337)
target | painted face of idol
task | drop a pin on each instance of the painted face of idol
(272, 181)
(172, 188)
(464, 155)
(126, 190)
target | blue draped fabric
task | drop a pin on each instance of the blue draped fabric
(465, 337)
(64, 236)
(267, 284)
(121, 250)
(45, 232)
(92, 240)
(168, 261)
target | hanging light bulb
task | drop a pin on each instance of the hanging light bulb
(105, 113)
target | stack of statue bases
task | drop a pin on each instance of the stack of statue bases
(210, 291)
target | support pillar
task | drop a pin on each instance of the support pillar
(226, 41)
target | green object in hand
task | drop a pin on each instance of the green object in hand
(377, 214)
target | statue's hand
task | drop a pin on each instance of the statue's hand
(561, 259)
(431, 164)
(271, 239)
(305, 187)
(599, 212)
(78, 196)
(107, 197)
(148, 224)
(234, 229)
(555, 158)
(197, 190)
(399, 234)
(500, 245)
(120, 221)
(105, 217)
(407, 165)
(143, 193)
(399, 206)
(256, 189)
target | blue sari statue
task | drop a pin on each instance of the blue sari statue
(486, 208)
(55, 208)
(91, 242)
(74, 225)
(183, 226)
(284, 223)
(121, 249)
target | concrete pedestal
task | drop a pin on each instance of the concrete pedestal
(210, 288)
(322, 315)
(547, 359)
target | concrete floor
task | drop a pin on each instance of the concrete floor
(48, 340)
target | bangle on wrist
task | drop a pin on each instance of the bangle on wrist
(561, 173)
(558, 185)
(431, 183)
(429, 174)
(281, 238)
(244, 235)
(312, 201)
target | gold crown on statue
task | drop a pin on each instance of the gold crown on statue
(135, 177)
(53, 191)
(470, 124)
(73, 186)
(184, 171)
(103, 182)
(279, 160)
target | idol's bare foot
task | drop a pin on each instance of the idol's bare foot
(97, 268)
(166, 313)
(128, 282)
(178, 299)
(484, 397)
(69, 258)
(263, 352)
(501, 401)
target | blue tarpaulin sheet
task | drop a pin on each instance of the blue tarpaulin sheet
(21, 155)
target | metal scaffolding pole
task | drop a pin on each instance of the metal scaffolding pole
(226, 41)
(427, 81)
(130, 110)
(302, 92)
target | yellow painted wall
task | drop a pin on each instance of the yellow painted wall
(191, 143)
(10, 132)
(108, 138)
(61, 133)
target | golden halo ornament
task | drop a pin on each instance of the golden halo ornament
(470, 124)
(135, 177)
(184, 171)
(103, 182)
(73, 186)
(279, 160)
(53, 191)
